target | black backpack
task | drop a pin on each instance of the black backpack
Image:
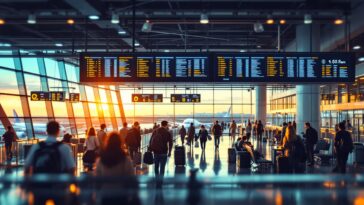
(47, 159)
(346, 143)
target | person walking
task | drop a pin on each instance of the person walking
(191, 135)
(182, 133)
(203, 135)
(260, 130)
(8, 137)
(283, 133)
(217, 132)
(311, 138)
(133, 140)
(248, 130)
(161, 144)
(343, 145)
(123, 133)
(233, 127)
(92, 148)
(101, 135)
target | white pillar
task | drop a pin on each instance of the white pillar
(308, 95)
(261, 103)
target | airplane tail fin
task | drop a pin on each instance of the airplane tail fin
(228, 113)
(16, 117)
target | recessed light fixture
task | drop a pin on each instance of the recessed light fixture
(32, 19)
(115, 18)
(242, 51)
(307, 19)
(136, 44)
(94, 17)
(338, 21)
(270, 20)
(282, 21)
(361, 59)
(70, 21)
(121, 32)
(2, 21)
(166, 51)
(204, 18)
(259, 46)
(58, 44)
(357, 47)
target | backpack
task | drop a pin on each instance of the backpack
(47, 159)
(154, 143)
(346, 143)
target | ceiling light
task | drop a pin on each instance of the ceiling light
(258, 27)
(136, 44)
(307, 19)
(361, 59)
(282, 21)
(115, 18)
(32, 19)
(94, 17)
(259, 46)
(204, 19)
(70, 21)
(270, 20)
(166, 51)
(2, 21)
(357, 47)
(338, 21)
(147, 26)
(121, 32)
(58, 44)
(5, 45)
(242, 51)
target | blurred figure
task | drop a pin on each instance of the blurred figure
(67, 138)
(217, 132)
(233, 127)
(260, 130)
(284, 129)
(343, 145)
(50, 156)
(123, 133)
(248, 129)
(191, 135)
(161, 144)
(255, 127)
(288, 143)
(311, 137)
(101, 135)
(203, 135)
(8, 137)
(155, 126)
(277, 136)
(182, 133)
(92, 148)
(133, 140)
(348, 125)
(294, 125)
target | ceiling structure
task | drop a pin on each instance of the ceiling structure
(174, 25)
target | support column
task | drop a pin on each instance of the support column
(308, 95)
(261, 103)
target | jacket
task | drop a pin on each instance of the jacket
(310, 135)
(133, 138)
(217, 130)
(202, 134)
(161, 138)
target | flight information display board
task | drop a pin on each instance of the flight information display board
(147, 97)
(74, 97)
(194, 98)
(47, 96)
(291, 67)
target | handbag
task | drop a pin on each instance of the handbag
(209, 137)
(148, 158)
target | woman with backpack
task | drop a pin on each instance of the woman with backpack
(92, 145)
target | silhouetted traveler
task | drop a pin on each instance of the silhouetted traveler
(294, 125)
(161, 144)
(133, 140)
(8, 137)
(248, 129)
(260, 130)
(348, 125)
(217, 132)
(255, 128)
(233, 127)
(284, 129)
(182, 133)
(203, 135)
(67, 138)
(343, 146)
(191, 135)
(50, 156)
(311, 138)
(288, 143)
(123, 133)
(101, 135)
(155, 126)
(92, 148)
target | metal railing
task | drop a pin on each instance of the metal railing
(18, 151)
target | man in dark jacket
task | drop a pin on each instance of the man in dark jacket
(8, 138)
(161, 144)
(133, 139)
(311, 137)
(343, 146)
(217, 131)
(260, 130)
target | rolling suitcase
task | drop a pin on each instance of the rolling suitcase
(283, 165)
(179, 156)
(231, 155)
(243, 160)
(358, 153)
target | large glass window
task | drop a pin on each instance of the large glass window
(52, 68)
(30, 65)
(8, 82)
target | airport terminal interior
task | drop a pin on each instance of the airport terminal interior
(97, 96)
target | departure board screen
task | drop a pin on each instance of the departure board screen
(47, 96)
(186, 98)
(147, 97)
(74, 97)
(288, 67)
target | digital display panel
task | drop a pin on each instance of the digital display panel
(147, 98)
(287, 67)
(47, 96)
(74, 97)
(186, 98)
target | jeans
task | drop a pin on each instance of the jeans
(183, 139)
(160, 161)
(309, 150)
(342, 158)
(203, 144)
(9, 154)
(132, 152)
(217, 141)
